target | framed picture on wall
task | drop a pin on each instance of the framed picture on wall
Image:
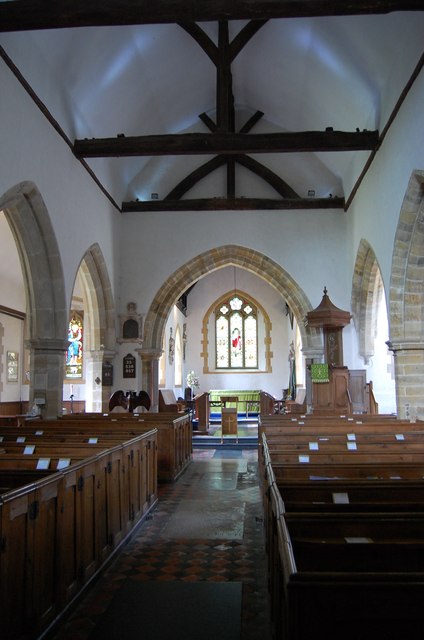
(12, 366)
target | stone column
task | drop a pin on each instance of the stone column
(47, 369)
(150, 374)
(96, 393)
(409, 378)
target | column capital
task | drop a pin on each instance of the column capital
(404, 345)
(149, 354)
(47, 344)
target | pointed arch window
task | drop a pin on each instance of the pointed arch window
(236, 331)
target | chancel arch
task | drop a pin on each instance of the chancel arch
(29, 220)
(216, 258)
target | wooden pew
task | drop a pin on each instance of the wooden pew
(174, 441)
(324, 571)
(58, 532)
(358, 576)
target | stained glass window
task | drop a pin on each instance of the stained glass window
(74, 354)
(236, 334)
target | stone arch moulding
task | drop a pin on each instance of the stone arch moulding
(229, 255)
(364, 303)
(99, 297)
(406, 309)
(30, 223)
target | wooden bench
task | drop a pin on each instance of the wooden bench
(174, 439)
(358, 576)
(344, 529)
(59, 531)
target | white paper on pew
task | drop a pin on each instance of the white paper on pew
(313, 446)
(93, 440)
(350, 419)
(294, 419)
(301, 422)
(1, 438)
(359, 422)
(400, 436)
(359, 540)
(63, 463)
(135, 414)
(351, 436)
(303, 417)
(43, 463)
(29, 449)
(342, 416)
(39, 433)
(21, 439)
(303, 458)
(341, 498)
(105, 414)
(351, 446)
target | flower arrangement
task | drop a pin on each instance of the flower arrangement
(192, 380)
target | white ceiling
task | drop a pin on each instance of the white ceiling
(304, 74)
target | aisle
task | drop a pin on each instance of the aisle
(195, 569)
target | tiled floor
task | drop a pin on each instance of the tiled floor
(206, 528)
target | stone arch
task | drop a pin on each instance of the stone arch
(367, 290)
(406, 306)
(228, 255)
(406, 310)
(38, 250)
(99, 298)
(30, 223)
(99, 306)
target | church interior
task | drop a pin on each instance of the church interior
(211, 295)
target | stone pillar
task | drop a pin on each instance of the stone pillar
(150, 374)
(97, 394)
(47, 370)
(409, 378)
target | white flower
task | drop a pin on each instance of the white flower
(192, 379)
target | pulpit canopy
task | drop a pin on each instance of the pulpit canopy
(327, 314)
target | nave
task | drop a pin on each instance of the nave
(195, 569)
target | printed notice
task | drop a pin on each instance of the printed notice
(351, 446)
(313, 446)
(400, 436)
(63, 463)
(341, 498)
(43, 463)
(303, 458)
(351, 436)
(29, 449)
(93, 440)
(359, 540)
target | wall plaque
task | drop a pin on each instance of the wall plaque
(129, 366)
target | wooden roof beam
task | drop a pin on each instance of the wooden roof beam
(233, 204)
(226, 143)
(24, 15)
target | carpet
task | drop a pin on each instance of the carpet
(173, 611)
